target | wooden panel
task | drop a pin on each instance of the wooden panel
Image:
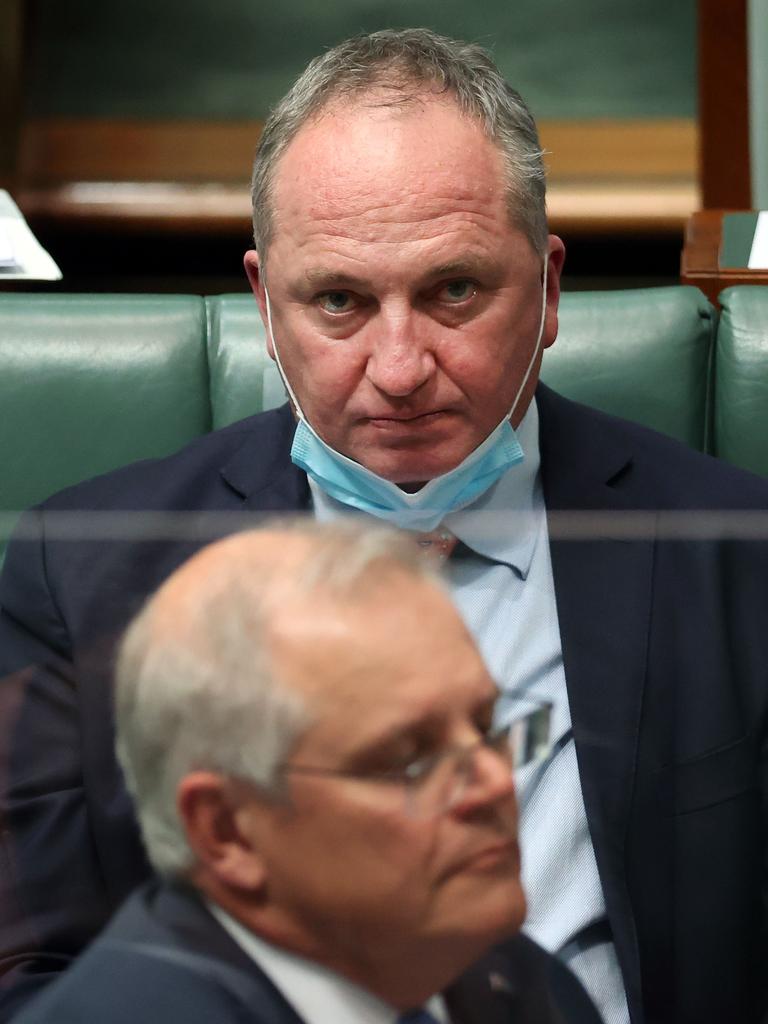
(56, 150)
(624, 176)
(638, 149)
(724, 105)
(700, 260)
(11, 63)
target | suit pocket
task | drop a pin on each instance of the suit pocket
(713, 777)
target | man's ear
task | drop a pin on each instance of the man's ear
(209, 807)
(555, 261)
(255, 276)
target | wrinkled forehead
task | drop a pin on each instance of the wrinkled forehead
(385, 162)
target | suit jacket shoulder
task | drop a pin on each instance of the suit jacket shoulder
(583, 449)
(165, 959)
(255, 452)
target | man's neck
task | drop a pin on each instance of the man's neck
(389, 979)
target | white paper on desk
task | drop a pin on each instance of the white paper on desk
(30, 260)
(7, 257)
(758, 254)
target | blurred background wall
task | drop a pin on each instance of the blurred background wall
(129, 125)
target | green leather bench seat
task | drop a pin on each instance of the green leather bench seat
(88, 383)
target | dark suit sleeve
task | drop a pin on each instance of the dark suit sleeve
(141, 990)
(52, 896)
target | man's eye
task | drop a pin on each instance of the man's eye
(457, 291)
(336, 302)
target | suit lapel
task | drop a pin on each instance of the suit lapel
(260, 471)
(495, 990)
(603, 591)
(517, 981)
(190, 931)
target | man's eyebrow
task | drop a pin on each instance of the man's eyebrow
(463, 265)
(328, 278)
(325, 277)
(423, 724)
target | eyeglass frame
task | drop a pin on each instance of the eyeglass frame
(496, 740)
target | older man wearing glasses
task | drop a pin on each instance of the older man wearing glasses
(310, 737)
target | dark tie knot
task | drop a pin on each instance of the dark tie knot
(420, 1016)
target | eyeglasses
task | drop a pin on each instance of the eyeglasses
(436, 783)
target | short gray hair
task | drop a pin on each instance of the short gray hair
(410, 61)
(200, 693)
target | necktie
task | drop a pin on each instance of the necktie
(437, 544)
(420, 1016)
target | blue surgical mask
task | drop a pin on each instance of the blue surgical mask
(352, 484)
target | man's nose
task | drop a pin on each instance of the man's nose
(401, 358)
(488, 781)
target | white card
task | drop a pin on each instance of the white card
(758, 256)
(7, 254)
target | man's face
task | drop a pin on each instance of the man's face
(354, 872)
(405, 305)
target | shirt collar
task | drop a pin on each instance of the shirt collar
(503, 524)
(316, 993)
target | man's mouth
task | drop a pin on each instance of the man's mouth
(398, 421)
(504, 855)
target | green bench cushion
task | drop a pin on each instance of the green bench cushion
(92, 382)
(741, 376)
(643, 354)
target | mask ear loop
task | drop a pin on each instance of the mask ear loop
(536, 347)
(281, 371)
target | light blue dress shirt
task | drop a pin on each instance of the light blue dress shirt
(503, 586)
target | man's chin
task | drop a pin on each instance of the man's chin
(408, 469)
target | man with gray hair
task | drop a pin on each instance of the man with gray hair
(307, 729)
(409, 286)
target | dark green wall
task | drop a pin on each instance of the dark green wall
(233, 58)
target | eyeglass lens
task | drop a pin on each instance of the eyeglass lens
(526, 740)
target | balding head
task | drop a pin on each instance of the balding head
(197, 685)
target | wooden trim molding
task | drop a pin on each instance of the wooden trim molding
(623, 176)
(724, 105)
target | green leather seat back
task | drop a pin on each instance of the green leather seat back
(741, 389)
(92, 382)
(244, 379)
(644, 354)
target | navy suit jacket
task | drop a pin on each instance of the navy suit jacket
(165, 959)
(665, 648)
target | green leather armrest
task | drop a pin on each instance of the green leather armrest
(741, 388)
(644, 354)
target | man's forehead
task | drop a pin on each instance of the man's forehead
(372, 629)
(346, 157)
